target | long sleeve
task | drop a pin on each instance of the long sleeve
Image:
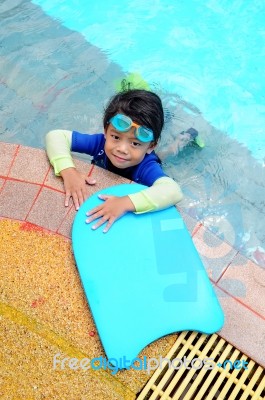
(58, 145)
(164, 193)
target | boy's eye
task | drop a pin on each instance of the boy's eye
(136, 144)
(115, 137)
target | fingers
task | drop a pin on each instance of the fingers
(109, 224)
(103, 219)
(98, 208)
(100, 222)
(76, 186)
(78, 198)
(104, 196)
(90, 181)
(100, 213)
(107, 212)
(94, 214)
(67, 199)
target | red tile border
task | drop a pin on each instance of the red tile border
(16, 199)
(216, 249)
(243, 328)
(191, 223)
(2, 181)
(215, 253)
(245, 280)
(56, 182)
(26, 225)
(48, 210)
(65, 227)
(83, 167)
(53, 182)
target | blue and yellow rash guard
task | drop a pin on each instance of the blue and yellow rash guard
(162, 192)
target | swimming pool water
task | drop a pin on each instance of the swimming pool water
(56, 77)
(211, 53)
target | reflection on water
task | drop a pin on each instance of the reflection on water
(215, 61)
(52, 78)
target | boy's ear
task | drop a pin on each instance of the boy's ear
(151, 147)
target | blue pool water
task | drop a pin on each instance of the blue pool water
(59, 61)
(210, 53)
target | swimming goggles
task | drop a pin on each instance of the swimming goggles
(122, 123)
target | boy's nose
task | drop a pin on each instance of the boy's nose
(122, 147)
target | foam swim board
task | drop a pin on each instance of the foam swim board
(143, 279)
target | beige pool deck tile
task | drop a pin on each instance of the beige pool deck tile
(65, 228)
(7, 153)
(215, 253)
(2, 181)
(16, 199)
(243, 328)
(191, 223)
(48, 211)
(56, 182)
(82, 166)
(105, 178)
(26, 168)
(245, 280)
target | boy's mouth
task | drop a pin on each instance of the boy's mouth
(120, 159)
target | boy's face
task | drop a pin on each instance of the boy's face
(123, 149)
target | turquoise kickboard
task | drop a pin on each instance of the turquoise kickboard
(143, 279)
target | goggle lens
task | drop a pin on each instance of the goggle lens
(145, 134)
(122, 123)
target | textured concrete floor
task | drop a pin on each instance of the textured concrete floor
(44, 312)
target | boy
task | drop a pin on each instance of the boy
(133, 122)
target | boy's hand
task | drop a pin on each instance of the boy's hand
(75, 185)
(112, 209)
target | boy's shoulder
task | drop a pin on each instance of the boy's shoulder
(149, 170)
(151, 158)
(84, 136)
(87, 143)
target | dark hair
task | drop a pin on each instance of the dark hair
(143, 107)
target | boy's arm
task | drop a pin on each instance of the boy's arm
(58, 146)
(164, 192)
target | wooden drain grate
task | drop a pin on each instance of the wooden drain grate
(231, 374)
